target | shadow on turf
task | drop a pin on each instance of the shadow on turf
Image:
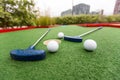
(88, 50)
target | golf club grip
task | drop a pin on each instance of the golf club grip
(90, 31)
(40, 38)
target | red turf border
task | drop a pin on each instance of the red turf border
(29, 27)
(13, 29)
(114, 25)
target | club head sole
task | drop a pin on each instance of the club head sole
(27, 55)
(73, 38)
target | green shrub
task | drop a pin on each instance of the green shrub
(44, 21)
(111, 18)
(117, 18)
(53, 21)
(79, 19)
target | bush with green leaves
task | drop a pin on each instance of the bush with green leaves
(44, 21)
(117, 18)
(79, 19)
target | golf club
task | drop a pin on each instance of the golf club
(29, 54)
(79, 38)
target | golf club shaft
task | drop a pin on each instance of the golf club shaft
(40, 38)
(90, 32)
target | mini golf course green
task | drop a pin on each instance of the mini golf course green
(71, 62)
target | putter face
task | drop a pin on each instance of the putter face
(28, 54)
(73, 38)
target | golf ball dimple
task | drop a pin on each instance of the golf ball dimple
(60, 35)
(52, 46)
(90, 45)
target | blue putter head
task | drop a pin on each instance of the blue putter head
(73, 38)
(28, 54)
(78, 38)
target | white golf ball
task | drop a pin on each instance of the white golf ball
(60, 35)
(52, 46)
(90, 45)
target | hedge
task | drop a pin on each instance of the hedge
(80, 19)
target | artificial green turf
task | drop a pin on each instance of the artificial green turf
(71, 62)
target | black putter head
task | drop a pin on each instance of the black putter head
(27, 54)
(73, 38)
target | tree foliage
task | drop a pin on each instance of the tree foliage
(17, 13)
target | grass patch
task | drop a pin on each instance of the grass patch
(71, 62)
